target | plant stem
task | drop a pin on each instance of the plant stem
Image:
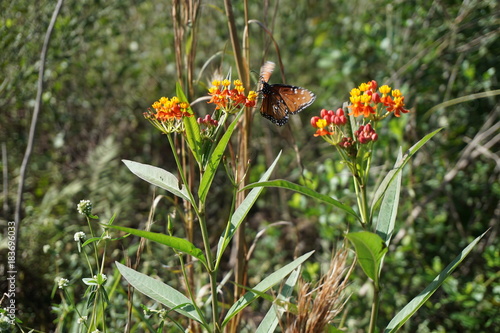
(374, 312)
(200, 213)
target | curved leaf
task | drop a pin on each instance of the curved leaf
(213, 163)
(306, 191)
(158, 177)
(389, 207)
(370, 250)
(193, 136)
(241, 212)
(177, 243)
(421, 298)
(397, 168)
(263, 286)
(161, 292)
(272, 318)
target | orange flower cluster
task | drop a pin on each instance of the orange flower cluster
(366, 101)
(230, 100)
(168, 113)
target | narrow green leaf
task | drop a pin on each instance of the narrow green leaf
(213, 162)
(161, 292)
(241, 212)
(397, 168)
(306, 191)
(370, 249)
(91, 240)
(193, 136)
(158, 177)
(177, 243)
(421, 298)
(273, 315)
(263, 286)
(389, 207)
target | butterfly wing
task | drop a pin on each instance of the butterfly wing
(273, 106)
(280, 100)
(266, 70)
(295, 98)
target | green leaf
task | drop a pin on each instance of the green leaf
(397, 168)
(421, 298)
(91, 240)
(214, 159)
(263, 286)
(193, 136)
(158, 177)
(241, 212)
(306, 191)
(389, 207)
(161, 292)
(177, 243)
(370, 249)
(273, 315)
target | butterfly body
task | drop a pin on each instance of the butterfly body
(281, 100)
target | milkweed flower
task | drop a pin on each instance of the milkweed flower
(208, 126)
(368, 105)
(330, 125)
(229, 99)
(167, 114)
(366, 101)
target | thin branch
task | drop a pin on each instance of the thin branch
(34, 120)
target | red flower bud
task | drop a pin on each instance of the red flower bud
(375, 98)
(314, 120)
(323, 113)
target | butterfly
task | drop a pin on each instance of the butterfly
(281, 100)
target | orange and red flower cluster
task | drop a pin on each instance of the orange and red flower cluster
(230, 100)
(168, 113)
(366, 101)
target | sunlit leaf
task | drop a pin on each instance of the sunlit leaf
(160, 292)
(370, 249)
(380, 192)
(273, 315)
(177, 243)
(415, 304)
(389, 207)
(242, 211)
(158, 177)
(215, 158)
(263, 286)
(306, 191)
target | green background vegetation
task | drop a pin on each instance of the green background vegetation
(107, 63)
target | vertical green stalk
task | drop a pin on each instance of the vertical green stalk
(374, 312)
(200, 213)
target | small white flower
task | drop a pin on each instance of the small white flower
(79, 236)
(107, 237)
(84, 207)
(96, 331)
(62, 283)
(82, 319)
(46, 248)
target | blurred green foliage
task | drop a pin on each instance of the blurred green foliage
(108, 61)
